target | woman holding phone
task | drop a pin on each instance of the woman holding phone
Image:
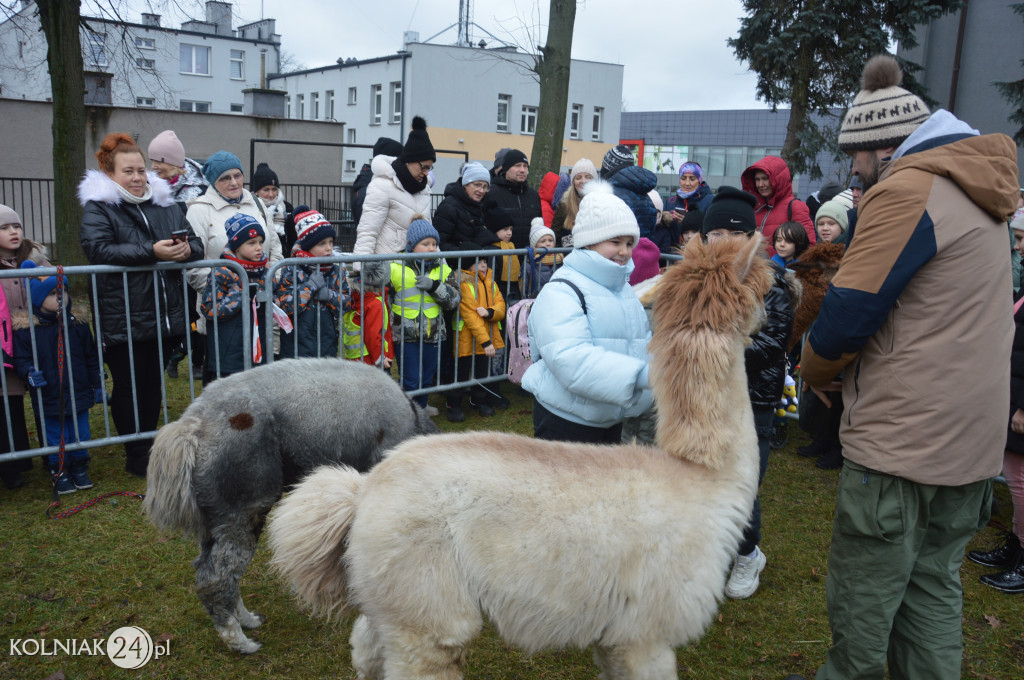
(693, 193)
(130, 219)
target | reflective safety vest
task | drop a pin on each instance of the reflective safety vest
(353, 346)
(411, 302)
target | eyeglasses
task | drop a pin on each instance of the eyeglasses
(715, 236)
(425, 168)
(234, 177)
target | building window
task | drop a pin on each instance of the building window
(376, 104)
(145, 64)
(236, 108)
(146, 102)
(574, 121)
(300, 106)
(351, 136)
(95, 55)
(351, 96)
(287, 107)
(194, 59)
(314, 105)
(329, 113)
(145, 43)
(504, 102)
(528, 125)
(396, 102)
(194, 107)
(598, 115)
(350, 166)
(237, 65)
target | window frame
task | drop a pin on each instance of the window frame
(240, 60)
(145, 43)
(353, 96)
(194, 106)
(329, 105)
(139, 102)
(597, 130)
(96, 48)
(575, 118)
(300, 107)
(376, 104)
(504, 102)
(396, 103)
(194, 51)
(314, 106)
(529, 114)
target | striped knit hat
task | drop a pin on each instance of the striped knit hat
(883, 114)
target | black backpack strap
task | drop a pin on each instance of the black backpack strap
(789, 210)
(579, 293)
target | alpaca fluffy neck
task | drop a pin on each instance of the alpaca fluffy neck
(701, 393)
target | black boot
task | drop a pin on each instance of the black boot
(1011, 580)
(1000, 557)
(833, 460)
(453, 409)
(816, 448)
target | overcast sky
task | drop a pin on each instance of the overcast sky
(674, 51)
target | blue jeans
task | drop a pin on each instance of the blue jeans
(53, 426)
(410, 356)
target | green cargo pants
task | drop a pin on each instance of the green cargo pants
(893, 585)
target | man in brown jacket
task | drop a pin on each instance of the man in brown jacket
(918, 322)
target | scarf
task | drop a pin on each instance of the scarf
(250, 266)
(324, 268)
(132, 198)
(232, 201)
(406, 179)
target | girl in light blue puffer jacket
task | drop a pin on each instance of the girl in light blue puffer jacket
(589, 335)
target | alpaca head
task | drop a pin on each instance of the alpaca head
(814, 269)
(707, 307)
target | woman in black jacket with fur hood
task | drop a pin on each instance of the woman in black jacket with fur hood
(130, 219)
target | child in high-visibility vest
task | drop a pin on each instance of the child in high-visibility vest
(367, 325)
(422, 287)
(481, 311)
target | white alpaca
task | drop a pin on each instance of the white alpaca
(625, 548)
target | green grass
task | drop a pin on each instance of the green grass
(106, 567)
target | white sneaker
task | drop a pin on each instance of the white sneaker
(746, 575)
(431, 411)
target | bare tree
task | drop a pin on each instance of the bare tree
(553, 65)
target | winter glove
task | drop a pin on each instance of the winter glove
(424, 282)
(324, 294)
(316, 282)
(36, 378)
(98, 395)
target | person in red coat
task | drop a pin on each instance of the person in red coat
(769, 180)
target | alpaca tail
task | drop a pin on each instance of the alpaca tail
(307, 532)
(170, 501)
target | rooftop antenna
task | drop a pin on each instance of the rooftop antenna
(465, 22)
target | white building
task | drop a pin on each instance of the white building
(203, 66)
(474, 99)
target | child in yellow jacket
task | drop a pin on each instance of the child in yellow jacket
(481, 311)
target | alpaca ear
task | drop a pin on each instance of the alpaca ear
(745, 258)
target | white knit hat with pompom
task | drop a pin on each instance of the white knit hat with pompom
(882, 114)
(602, 216)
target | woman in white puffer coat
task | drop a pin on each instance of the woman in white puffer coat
(398, 191)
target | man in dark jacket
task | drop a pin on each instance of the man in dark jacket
(511, 192)
(731, 215)
(385, 146)
(632, 184)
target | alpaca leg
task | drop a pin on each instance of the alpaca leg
(367, 650)
(247, 618)
(636, 662)
(413, 655)
(219, 569)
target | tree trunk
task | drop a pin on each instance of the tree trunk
(61, 21)
(553, 69)
(797, 113)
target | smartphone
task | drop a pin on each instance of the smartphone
(179, 235)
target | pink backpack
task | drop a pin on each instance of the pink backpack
(518, 344)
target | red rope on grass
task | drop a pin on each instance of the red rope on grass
(89, 504)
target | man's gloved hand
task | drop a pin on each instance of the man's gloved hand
(36, 378)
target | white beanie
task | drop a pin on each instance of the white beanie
(583, 165)
(474, 172)
(537, 230)
(602, 216)
(8, 216)
(1017, 222)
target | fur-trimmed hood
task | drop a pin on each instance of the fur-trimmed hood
(19, 318)
(97, 186)
(374, 274)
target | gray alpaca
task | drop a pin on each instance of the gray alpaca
(216, 472)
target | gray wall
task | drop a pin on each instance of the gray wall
(26, 139)
(993, 48)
